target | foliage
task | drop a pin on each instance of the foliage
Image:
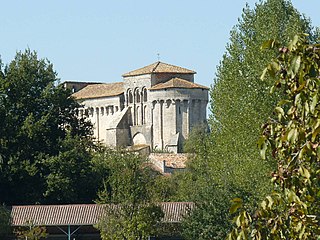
(197, 134)
(165, 188)
(208, 219)
(227, 158)
(38, 114)
(71, 178)
(4, 222)
(32, 232)
(240, 101)
(131, 214)
(292, 210)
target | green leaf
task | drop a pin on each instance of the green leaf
(314, 103)
(270, 201)
(315, 133)
(293, 43)
(236, 204)
(304, 172)
(263, 75)
(268, 44)
(292, 135)
(279, 110)
(263, 145)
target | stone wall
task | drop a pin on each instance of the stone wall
(99, 111)
(176, 111)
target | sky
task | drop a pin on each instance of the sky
(99, 40)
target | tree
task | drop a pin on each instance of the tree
(5, 227)
(32, 232)
(127, 189)
(38, 114)
(292, 210)
(240, 103)
(71, 178)
(210, 193)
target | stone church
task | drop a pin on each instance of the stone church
(156, 105)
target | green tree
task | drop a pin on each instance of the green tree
(132, 214)
(71, 178)
(5, 226)
(240, 104)
(240, 101)
(38, 114)
(32, 232)
(292, 210)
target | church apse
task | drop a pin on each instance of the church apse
(156, 105)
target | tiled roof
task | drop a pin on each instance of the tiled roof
(100, 90)
(172, 160)
(175, 211)
(83, 214)
(177, 83)
(158, 67)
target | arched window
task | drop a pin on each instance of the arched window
(168, 103)
(130, 97)
(145, 97)
(137, 95)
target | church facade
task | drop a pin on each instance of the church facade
(156, 105)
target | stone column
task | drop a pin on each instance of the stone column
(156, 124)
(174, 113)
(185, 119)
(98, 123)
(161, 124)
(169, 121)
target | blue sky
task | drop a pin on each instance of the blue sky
(99, 40)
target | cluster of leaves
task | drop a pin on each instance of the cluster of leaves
(31, 232)
(39, 132)
(227, 158)
(132, 212)
(240, 100)
(292, 210)
(5, 227)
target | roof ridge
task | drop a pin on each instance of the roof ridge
(100, 90)
(159, 67)
(157, 64)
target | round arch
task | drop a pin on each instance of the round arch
(139, 139)
(129, 96)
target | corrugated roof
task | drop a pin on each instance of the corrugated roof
(100, 90)
(57, 215)
(158, 67)
(82, 214)
(177, 83)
